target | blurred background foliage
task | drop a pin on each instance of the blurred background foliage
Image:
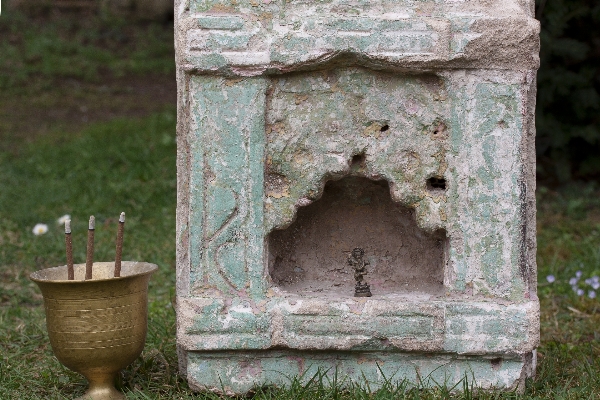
(42, 41)
(568, 102)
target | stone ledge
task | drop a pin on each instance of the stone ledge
(233, 372)
(239, 45)
(459, 327)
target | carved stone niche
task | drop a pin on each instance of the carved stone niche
(308, 258)
(306, 129)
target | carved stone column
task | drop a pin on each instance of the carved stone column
(309, 128)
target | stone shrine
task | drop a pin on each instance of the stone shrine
(309, 128)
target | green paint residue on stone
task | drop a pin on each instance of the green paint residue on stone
(238, 318)
(486, 135)
(384, 327)
(221, 22)
(226, 233)
(242, 371)
(497, 329)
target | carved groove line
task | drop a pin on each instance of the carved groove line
(210, 240)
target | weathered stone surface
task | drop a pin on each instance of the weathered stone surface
(392, 322)
(244, 371)
(241, 38)
(308, 128)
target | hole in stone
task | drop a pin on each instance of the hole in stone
(385, 128)
(496, 363)
(436, 183)
(310, 257)
(357, 160)
(440, 129)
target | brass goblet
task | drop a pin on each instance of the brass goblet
(97, 327)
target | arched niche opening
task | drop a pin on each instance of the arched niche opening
(310, 256)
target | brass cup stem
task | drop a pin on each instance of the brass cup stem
(102, 386)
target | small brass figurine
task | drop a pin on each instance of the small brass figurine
(356, 261)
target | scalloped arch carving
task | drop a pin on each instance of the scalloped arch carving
(309, 257)
(316, 122)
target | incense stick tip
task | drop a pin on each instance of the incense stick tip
(92, 222)
(122, 217)
(68, 226)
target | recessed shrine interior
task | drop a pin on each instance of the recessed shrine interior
(309, 257)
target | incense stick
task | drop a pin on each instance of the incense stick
(119, 251)
(69, 245)
(89, 259)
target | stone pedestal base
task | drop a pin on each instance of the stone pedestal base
(362, 290)
(235, 372)
(235, 347)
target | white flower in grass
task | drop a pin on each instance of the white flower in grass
(40, 229)
(592, 294)
(63, 219)
(596, 285)
(573, 281)
(580, 292)
(588, 281)
(595, 279)
(551, 278)
(578, 274)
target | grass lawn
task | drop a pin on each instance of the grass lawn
(128, 164)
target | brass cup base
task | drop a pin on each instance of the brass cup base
(97, 326)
